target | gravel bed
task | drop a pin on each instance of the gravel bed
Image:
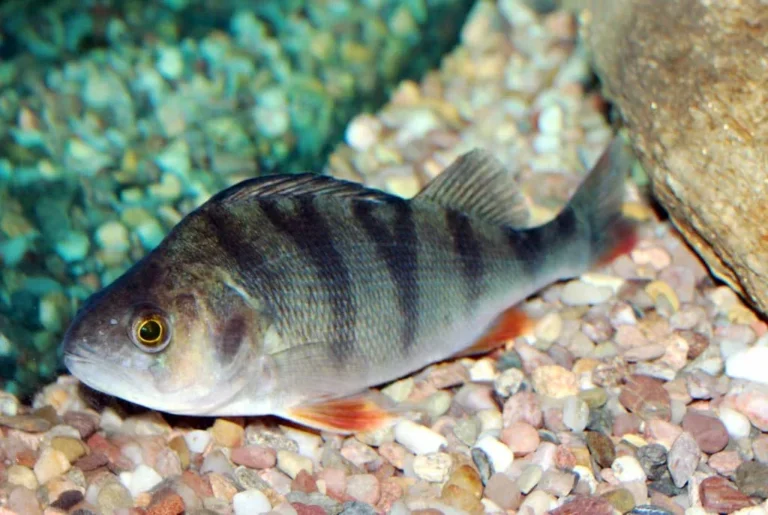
(641, 389)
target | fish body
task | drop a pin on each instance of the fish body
(287, 294)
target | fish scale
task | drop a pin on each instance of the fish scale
(292, 295)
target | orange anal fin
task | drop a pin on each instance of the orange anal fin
(625, 235)
(346, 415)
(509, 325)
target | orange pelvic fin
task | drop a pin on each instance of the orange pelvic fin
(509, 325)
(625, 235)
(347, 415)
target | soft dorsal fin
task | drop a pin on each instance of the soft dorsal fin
(298, 185)
(478, 184)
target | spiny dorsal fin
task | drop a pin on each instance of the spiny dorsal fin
(478, 184)
(298, 185)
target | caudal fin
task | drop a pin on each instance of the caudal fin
(597, 206)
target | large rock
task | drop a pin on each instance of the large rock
(690, 78)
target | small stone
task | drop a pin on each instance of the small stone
(662, 290)
(653, 459)
(581, 505)
(85, 423)
(363, 132)
(521, 437)
(417, 438)
(357, 508)
(21, 501)
(114, 496)
(462, 500)
(291, 463)
(166, 502)
(709, 432)
(467, 478)
(170, 62)
(529, 478)
(725, 463)
(51, 463)
(646, 397)
(73, 247)
(549, 327)
(579, 293)
(226, 433)
(555, 381)
(113, 236)
(503, 491)
(760, 448)
(254, 456)
(143, 479)
(748, 364)
(499, 455)
(621, 499)
(523, 406)
(601, 447)
(484, 370)
(179, 446)
(364, 488)
(683, 458)
(628, 469)
(250, 502)
(752, 479)
(737, 424)
(719, 495)
(22, 476)
(434, 467)
(575, 414)
(72, 448)
(508, 382)
(197, 440)
(557, 482)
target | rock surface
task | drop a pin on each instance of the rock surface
(686, 77)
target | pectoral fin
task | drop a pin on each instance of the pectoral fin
(508, 325)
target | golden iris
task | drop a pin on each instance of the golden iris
(151, 332)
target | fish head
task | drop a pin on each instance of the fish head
(167, 339)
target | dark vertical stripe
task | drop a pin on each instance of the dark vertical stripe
(532, 247)
(247, 259)
(312, 235)
(397, 247)
(466, 245)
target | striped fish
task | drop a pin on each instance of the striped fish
(293, 294)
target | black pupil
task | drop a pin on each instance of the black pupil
(150, 331)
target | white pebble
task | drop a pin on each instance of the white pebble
(250, 502)
(113, 236)
(748, 364)
(736, 423)
(435, 467)
(399, 390)
(484, 370)
(363, 132)
(578, 293)
(500, 456)
(170, 62)
(309, 443)
(292, 463)
(143, 479)
(628, 469)
(551, 120)
(491, 420)
(597, 279)
(417, 438)
(575, 414)
(549, 327)
(197, 440)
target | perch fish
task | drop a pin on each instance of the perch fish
(292, 295)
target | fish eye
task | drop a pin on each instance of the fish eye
(151, 332)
